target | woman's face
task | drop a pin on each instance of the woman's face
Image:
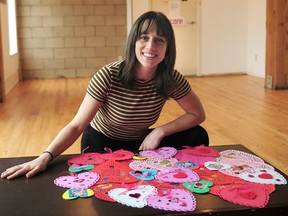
(150, 49)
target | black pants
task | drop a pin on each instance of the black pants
(94, 141)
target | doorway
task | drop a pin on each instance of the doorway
(2, 89)
(186, 33)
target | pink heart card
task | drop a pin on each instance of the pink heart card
(115, 172)
(246, 195)
(161, 185)
(244, 166)
(178, 175)
(202, 150)
(162, 153)
(237, 155)
(87, 158)
(74, 193)
(196, 159)
(174, 200)
(83, 180)
(155, 164)
(264, 176)
(134, 197)
(117, 155)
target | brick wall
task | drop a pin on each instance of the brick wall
(69, 38)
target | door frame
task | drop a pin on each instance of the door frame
(2, 83)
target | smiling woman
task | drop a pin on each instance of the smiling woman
(125, 98)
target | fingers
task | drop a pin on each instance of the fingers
(14, 171)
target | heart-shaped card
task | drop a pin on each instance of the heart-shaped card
(80, 168)
(83, 180)
(162, 153)
(178, 175)
(217, 188)
(196, 159)
(87, 158)
(186, 164)
(175, 200)
(214, 176)
(246, 195)
(114, 172)
(237, 155)
(136, 197)
(74, 193)
(202, 150)
(117, 155)
(213, 165)
(201, 186)
(244, 166)
(155, 164)
(264, 176)
(144, 175)
(101, 190)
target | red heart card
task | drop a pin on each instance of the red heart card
(217, 188)
(162, 153)
(87, 158)
(118, 155)
(112, 171)
(246, 195)
(101, 190)
(214, 176)
(202, 151)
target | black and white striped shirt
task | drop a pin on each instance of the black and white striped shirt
(127, 114)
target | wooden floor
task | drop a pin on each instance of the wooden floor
(239, 110)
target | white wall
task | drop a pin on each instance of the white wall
(256, 42)
(232, 35)
(223, 34)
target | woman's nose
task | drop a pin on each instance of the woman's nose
(151, 44)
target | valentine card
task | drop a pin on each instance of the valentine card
(134, 197)
(162, 153)
(83, 180)
(177, 175)
(173, 200)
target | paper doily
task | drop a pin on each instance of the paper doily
(174, 200)
(162, 153)
(264, 176)
(133, 197)
(156, 164)
(83, 180)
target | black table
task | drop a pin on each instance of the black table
(40, 196)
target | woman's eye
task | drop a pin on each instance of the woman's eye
(144, 38)
(160, 40)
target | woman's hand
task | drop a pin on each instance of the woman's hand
(30, 168)
(152, 140)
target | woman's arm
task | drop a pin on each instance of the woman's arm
(194, 115)
(65, 138)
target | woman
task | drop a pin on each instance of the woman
(125, 98)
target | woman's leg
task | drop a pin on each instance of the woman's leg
(192, 137)
(93, 141)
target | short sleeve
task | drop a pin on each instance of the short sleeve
(99, 85)
(181, 86)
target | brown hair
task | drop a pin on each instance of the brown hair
(164, 77)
